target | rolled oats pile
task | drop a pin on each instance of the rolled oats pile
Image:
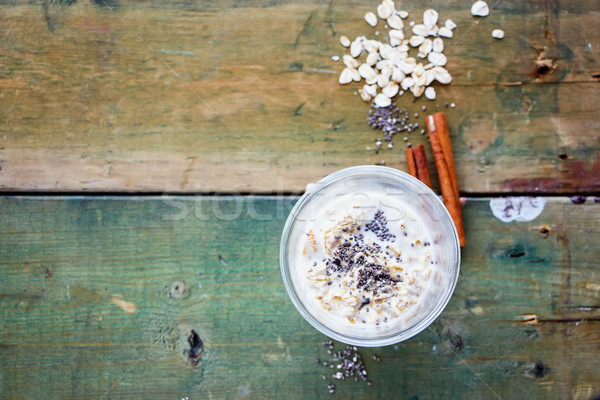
(390, 67)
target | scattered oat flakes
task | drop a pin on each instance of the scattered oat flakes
(498, 34)
(371, 18)
(381, 100)
(480, 9)
(345, 76)
(449, 24)
(430, 93)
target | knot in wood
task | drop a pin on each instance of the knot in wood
(177, 289)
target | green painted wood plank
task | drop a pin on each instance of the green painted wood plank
(99, 294)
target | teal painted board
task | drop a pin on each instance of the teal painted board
(98, 296)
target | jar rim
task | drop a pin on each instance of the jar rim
(410, 183)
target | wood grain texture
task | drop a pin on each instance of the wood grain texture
(243, 96)
(98, 296)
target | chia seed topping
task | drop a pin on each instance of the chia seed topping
(374, 268)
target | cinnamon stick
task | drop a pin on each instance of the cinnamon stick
(442, 126)
(410, 160)
(421, 164)
(438, 134)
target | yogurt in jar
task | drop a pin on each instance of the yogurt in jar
(366, 262)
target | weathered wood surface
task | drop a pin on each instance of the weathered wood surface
(98, 295)
(243, 96)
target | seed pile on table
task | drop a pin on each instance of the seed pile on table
(347, 364)
(391, 120)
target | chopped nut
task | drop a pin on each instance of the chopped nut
(498, 34)
(480, 9)
(371, 18)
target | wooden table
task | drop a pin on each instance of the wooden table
(150, 153)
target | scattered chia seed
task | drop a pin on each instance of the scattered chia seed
(390, 120)
(350, 364)
(578, 199)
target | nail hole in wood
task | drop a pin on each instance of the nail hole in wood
(196, 347)
(540, 370)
